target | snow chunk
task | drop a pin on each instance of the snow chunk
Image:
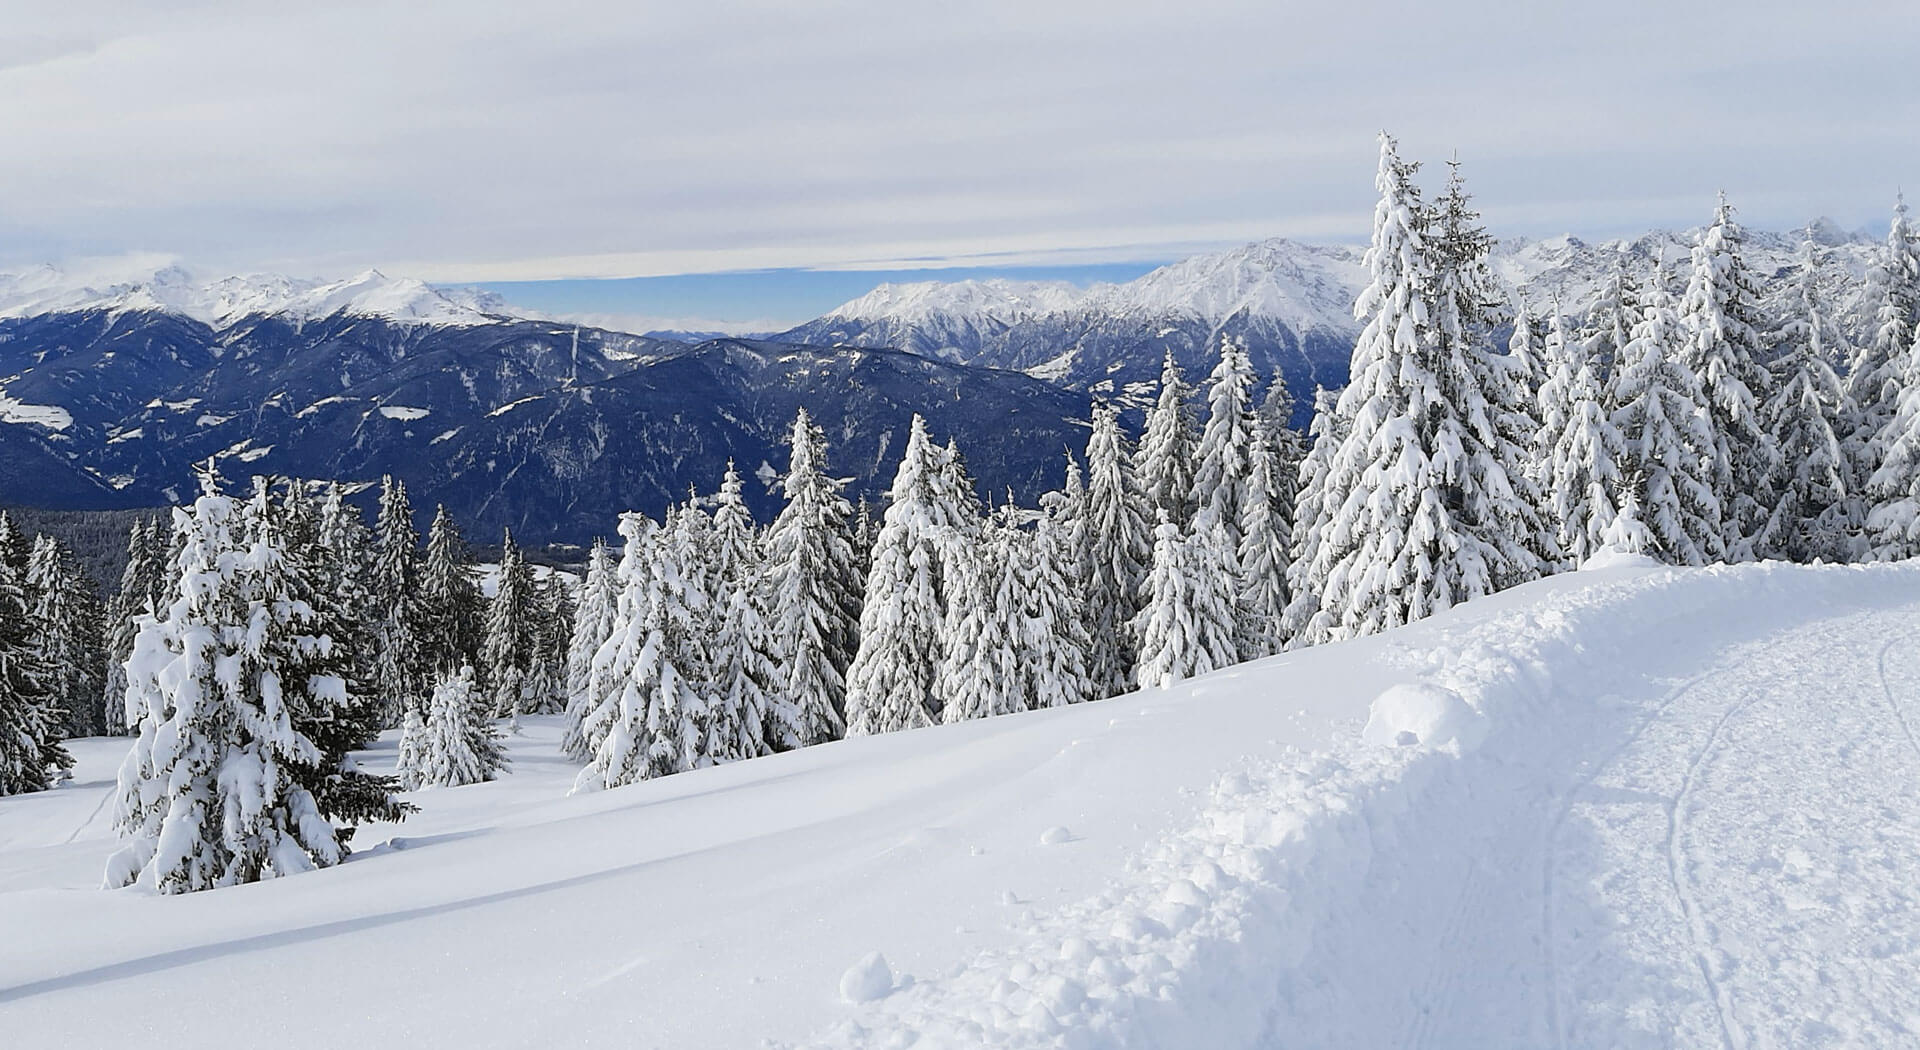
(1424, 715)
(404, 413)
(869, 979)
(1055, 835)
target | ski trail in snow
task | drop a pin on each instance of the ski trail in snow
(1886, 688)
(1678, 870)
(105, 794)
(1562, 810)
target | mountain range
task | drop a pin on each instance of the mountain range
(111, 389)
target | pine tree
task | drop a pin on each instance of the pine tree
(1052, 641)
(980, 674)
(545, 689)
(64, 622)
(1265, 528)
(737, 552)
(613, 662)
(1117, 549)
(212, 793)
(1723, 351)
(458, 745)
(451, 614)
(813, 578)
(508, 648)
(1663, 418)
(1311, 513)
(1893, 523)
(1559, 394)
(745, 675)
(1584, 477)
(1878, 365)
(400, 619)
(1527, 350)
(1223, 457)
(31, 720)
(1608, 327)
(1812, 514)
(1165, 460)
(891, 682)
(1186, 624)
(343, 558)
(659, 711)
(1289, 447)
(412, 748)
(593, 624)
(137, 596)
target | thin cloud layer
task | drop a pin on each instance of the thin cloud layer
(506, 141)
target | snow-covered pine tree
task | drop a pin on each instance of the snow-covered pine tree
(545, 689)
(452, 617)
(1265, 528)
(342, 557)
(1164, 461)
(1813, 515)
(64, 622)
(1893, 492)
(736, 549)
(593, 621)
(507, 647)
(1186, 624)
(1719, 313)
(211, 794)
(1878, 365)
(1628, 534)
(891, 681)
(1274, 420)
(1117, 548)
(31, 721)
(413, 741)
(1052, 639)
(139, 584)
(1608, 326)
(1662, 416)
(1584, 479)
(459, 744)
(403, 676)
(1419, 513)
(980, 674)
(1310, 515)
(745, 674)
(1526, 347)
(1222, 460)
(1558, 394)
(599, 704)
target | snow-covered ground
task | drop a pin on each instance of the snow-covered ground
(1630, 807)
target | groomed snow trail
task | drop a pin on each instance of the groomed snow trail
(1695, 822)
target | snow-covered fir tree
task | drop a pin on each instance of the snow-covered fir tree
(31, 722)
(1584, 478)
(1608, 325)
(1668, 440)
(216, 789)
(1878, 365)
(1720, 313)
(1051, 637)
(981, 674)
(1186, 625)
(1812, 513)
(736, 551)
(746, 673)
(891, 682)
(452, 616)
(1165, 459)
(545, 689)
(1265, 531)
(342, 557)
(403, 676)
(1558, 394)
(594, 711)
(1328, 432)
(64, 622)
(139, 595)
(1116, 550)
(1893, 492)
(508, 648)
(593, 621)
(1223, 458)
(458, 743)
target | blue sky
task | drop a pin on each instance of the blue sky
(788, 145)
(785, 297)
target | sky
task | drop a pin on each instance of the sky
(773, 142)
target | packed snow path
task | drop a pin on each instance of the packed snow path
(1645, 808)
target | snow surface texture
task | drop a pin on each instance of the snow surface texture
(1693, 820)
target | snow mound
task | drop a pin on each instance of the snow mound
(1614, 558)
(869, 979)
(1424, 715)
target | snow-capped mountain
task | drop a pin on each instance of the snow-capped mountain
(229, 300)
(1291, 302)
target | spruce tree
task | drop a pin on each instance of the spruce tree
(1116, 552)
(1665, 423)
(1053, 642)
(139, 586)
(736, 553)
(65, 624)
(342, 558)
(459, 745)
(1223, 457)
(452, 617)
(507, 650)
(1265, 528)
(1584, 477)
(1165, 461)
(1186, 624)
(1310, 515)
(593, 623)
(1877, 366)
(814, 579)
(612, 666)
(31, 721)
(1608, 326)
(1893, 522)
(980, 674)
(400, 619)
(1558, 394)
(891, 682)
(1719, 313)
(1812, 515)
(745, 674)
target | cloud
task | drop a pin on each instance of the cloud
(486, 140)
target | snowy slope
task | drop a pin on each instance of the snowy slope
(1668, 808)
(224, 301)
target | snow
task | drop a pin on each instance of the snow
(1688, 824)
(1421, 714)
(53, 417)
(404, 412)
